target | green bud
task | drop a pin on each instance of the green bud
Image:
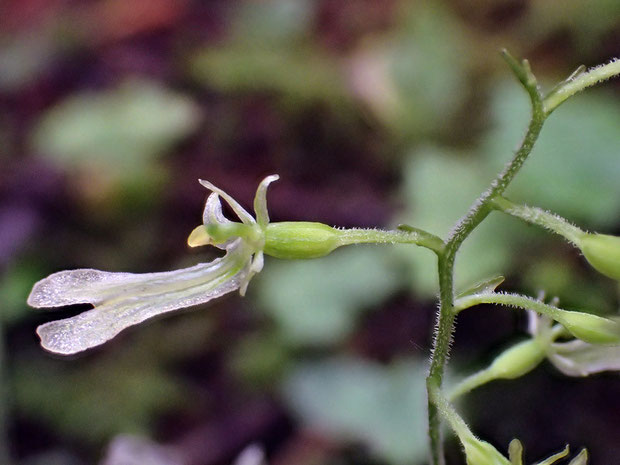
(589, 328)
(518, 360)
(581, 459)
(479, 452)
(300, 239)
(515, 452)
(602, 252)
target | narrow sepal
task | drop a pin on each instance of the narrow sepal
(237, 208)
(260, 200)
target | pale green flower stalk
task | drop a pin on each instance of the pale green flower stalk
(602, 251)
(122, 300)
(579, 81)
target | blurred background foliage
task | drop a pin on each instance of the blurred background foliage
(373, 113)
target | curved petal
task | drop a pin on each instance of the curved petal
(238, 209)
(213, 215)
(260, 200)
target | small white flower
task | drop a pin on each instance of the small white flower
(579, 358)
(575, 357)
(126, 299)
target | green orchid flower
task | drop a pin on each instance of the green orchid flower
(122, 300)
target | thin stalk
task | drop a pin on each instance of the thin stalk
(539, 217)
(477, 213)
(405, 235)
(511, 300)
(471, 382)
(580, 81)
(448, 412)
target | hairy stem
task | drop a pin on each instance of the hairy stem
(579, 82)
(405, 235)
(477, 213)
(539, 217)
(447, 411)
(510, 300)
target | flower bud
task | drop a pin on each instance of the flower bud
(515, 452)
(518, 360)
(300, 239)
(581, 459)
(479, 452)
(602, 252)
(589, 328)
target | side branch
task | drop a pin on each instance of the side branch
(404, 235)
(538, 217)
(580, 81)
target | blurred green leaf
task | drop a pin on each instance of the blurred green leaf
(587, 22)
(317, 302)
(272, 21)
(96, 400)
(414, 80)
(260, 359)
(439, 189)
(384, 406)
(125, 388)
(269, 51)
(300, 75)
(119, 130)
(573, 169)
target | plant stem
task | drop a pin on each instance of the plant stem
(579, 82)
(471, 382)
(512, 300)
(539, 217)
(448, 412)
(405, 235)
(477, 213)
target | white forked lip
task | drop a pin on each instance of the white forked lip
(122, 300)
